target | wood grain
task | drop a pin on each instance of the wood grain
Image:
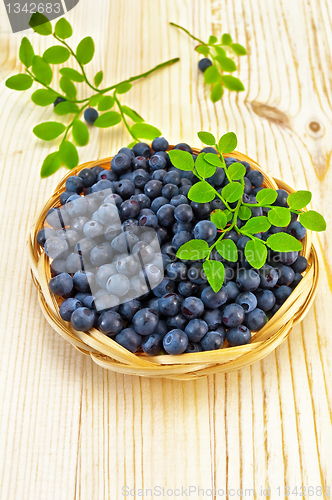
(70, 430)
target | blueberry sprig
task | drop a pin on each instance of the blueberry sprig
(38, 69)
(239, 213)
(217, 61)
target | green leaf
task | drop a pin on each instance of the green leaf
(64, 108)
(256, 253)
(232, 191)
(94, 99)
(227, 249)
(132, 114)
(26, 52)
(68, 87)
(299, 200)
(131, 144)
(220, 51)
(202, 49)
(123, 87)
(207, 138)
(226, 39)
(201, 192)
(145, 131)
(108, 119)
(216, 92)
(279, 216)
(72, 74)
(85, 50)
(40, 24)
(227, 64)
(42, 70)
(98, 78)
(256, 225)
(236, 171)
(238, 49)
(229, 214)
(80, 133)
(211, 74)
(283, 242)
(43, 97)
(47, 131)
(215, 273)
(68, 154)
(56, 55)
(266, 196)
(51, 164)
(218, 218)
(213, 159)
(19, 82)
(105, 103)
(244, 213)
(232, 83)
(228, 142)
(204, 168)
(193, 250)
(212, 39)
(313, 220)
(63, 29)
(181, 160)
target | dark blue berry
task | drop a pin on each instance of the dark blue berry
(217, 178)
(297, 278)
(247, 280)
(173, 177)
(239, 335)
(108, 175)
(188, 288)
(265, 299)
(143, 200)
(300, 265)
(196, 273)
(287, 258)
(184, 213)
(175, 342)
(205, 230)
(192, 307)
(213, 299)
(177, 321)
(196, 329)
(68, 307)
(179, 199)
(105, 187)
(142, 149)
(201, 210)
(247, 301)
(297, 230)
(82, 319)
(158, 175)
(164, 287)
(282, 293)
(233, 315)
(183, 147)
(255, 320)
(129, 209)
(129, 339)
(120, 163)
(213, 340)
(145, 321)
(110, 323)
(84, 281)
(90, 115)
(152, 344)
(65, 195)
(286, 275)
(256, 178)
(158, 203)
(140, 177)
(177, 271)
(58, 100)
(180, 239)
(127, 151)
(204, 64)
(193, 347)
(213, 319)
(124, 188)
(159, 144)
(169, 190)
(149, 220)
(153, 188)
(232, 291)
(169, 304)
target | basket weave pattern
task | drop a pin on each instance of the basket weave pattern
(110, 355)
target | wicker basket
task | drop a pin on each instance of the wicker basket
(110, 355)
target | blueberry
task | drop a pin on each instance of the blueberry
(182, 226)
(129, 209)
(256, 178)
(159, 144)
(82, 319)
(255, 320)
(297, 278)
(142, 149)
(151, 274)
(183, 213)
(97, 169)
(282, 293)
(152, 344)
(103, 187)
(108, 175)
(247, 280)
(217, 178)
(232, 291)
(268, 276)
(179, 199)
(157, 162)
(76, 205)
(110, 323)
(129, 339)
(169, 190)
(175, 342)
(192, 307)
(44, 234)
(196, 273)
(68, 307)
(90, 115)
(187, 288)
(232, 235)
(297, 230)
(193, 347)
(169, 304)
(158, 175)
(180, 239)
(162, 234)
(213, 299)
(124, 242)
(213, 319)
(281, 200)
(176, 271)
(247, 301)
(107, 213)
(239, 335)
(143, 200)
(84, 281)
(183, 147)
(127, 151)
(173, 177)
(165, 286)
(145, 321)
(129, 309)
(140, 162)
(153, 188)
(248, 185)
(65, 195)
(201, 210)
(274, 310)
(205, 230)
(62, 284)
(158, 202)
(204, 64)
(140, 177)
(213, 340)
(125, 188)
(300, 265)
(58, 100)
(149, 220)
(233, 315)
(69, 235)
(209, 149)
(184, 190)
(196, 329)
(265, 299)
(113, 198)
(286, 275)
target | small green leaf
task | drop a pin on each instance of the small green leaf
(68, 154)
(228, 142)
(68, 87)
(98, 78)
(229, 214)
(226, 39)
(202, 49)
(63, 29)
(123, 88)
(227, 249)
(26, 52)
(232, 83)
(47, 131)
(42, 70)
(212, 39)
(279, 216)
(232, 191)
(236, 171)
(51, 164)
(201, 192)
(181, 160)
(56, 55)
(256, 253)
(216, 92)
(313, 220)
(227, 64)
(85, 50)
(132, 114)
(215, 273)
(256, 225)
(131, 144)
(213, 159)
(238, 49)
(94, 99)
(193, 250)
(218, 218)
(43, 97)
(204, 168)
(105, 103)
(145, 131)
(19, 82)
(40, 24)
(266, 196)
(220, 51)
(211, 74)
(299, 200)
(80, 133)
(108, 119)
(207, 138)
(65, 108)
(244, 213)
(72, 74)
(283, 242)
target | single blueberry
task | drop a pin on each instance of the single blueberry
(175, 342)
(90, 115)
(239, 335)
(129, 339)
(82, 319)
(213, 340)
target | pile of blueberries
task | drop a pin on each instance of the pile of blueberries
(120, 229)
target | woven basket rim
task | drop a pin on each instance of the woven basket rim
(110, 355)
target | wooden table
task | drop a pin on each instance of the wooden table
(69, 429)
